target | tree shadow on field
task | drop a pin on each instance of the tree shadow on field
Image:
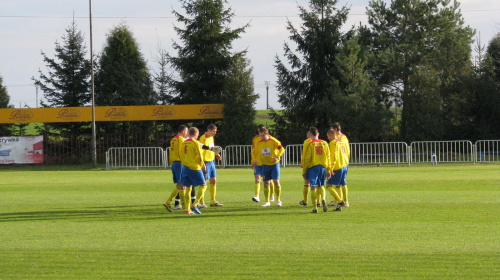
(135, 212)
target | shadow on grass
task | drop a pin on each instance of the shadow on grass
(137, 212)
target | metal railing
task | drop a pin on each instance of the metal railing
(136, 157)
(487, 151)
(361, 154)
(379, 153)
(441, 151)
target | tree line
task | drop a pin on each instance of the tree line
(409, 74)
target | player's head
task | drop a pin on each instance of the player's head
(264, 133)
(193, 132)
(182, 130)
(313, 131)
(335, 126)
(331, 134)
(259, 127)
(211, 129)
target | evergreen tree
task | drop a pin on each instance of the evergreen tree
(205, 65)
(237, 126)
(5, 129)
(123, 79)
(161, 79)
(67, 82)
(486, 89)
(416, 40)
(362, 108)
(493, 52)
(327, 81)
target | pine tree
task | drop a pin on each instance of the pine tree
(67, 82)
(309, 90)
(237, 126)
(207, 69)
(416, 40)
(123, 79)
(362, 108)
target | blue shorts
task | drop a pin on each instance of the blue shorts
(271, 172)
(344, 182)
(339, 177)
(316, 176)
(258, 170)
(192, 177)
(210, 173)
(177, 172)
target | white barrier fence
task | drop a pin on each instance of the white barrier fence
(136, 157)
(378, 153)
(487, 151)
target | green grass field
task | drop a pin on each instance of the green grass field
(419, 222)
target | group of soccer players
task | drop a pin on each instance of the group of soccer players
(322, 162)
(192, 163)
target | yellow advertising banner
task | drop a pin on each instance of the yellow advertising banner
(112, 113)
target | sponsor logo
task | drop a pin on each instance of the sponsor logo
(69, 114)
(210, 111)
(116, 113)
(163, 112)
(4, 153)
(21, 115)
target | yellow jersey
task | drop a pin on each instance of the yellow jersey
(175, 148)
(207, 141)
(304, 147)
(317, 153)
(343, 138)
(191, 154)
(265, 151)
(338, 154)
(255, 140)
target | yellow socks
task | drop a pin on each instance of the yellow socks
(314, 198)
(213, 190)
(267, 192)
(277, 192)
(344, 194)
(339, 191)
(186, 203)
(200, 195)
(256, 187)
(305, 192)
(334, 193)
(323, 192)
(173, 194)
(271, 188)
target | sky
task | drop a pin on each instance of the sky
(29, 27)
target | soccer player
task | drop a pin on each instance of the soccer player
(339, 161)
(209, 157)
(194, 166)
(343, 185)
(268, 153)
(316, 167)
(257, 169)
(175, 162)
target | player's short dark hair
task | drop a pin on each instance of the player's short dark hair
(211, 126)
(260, 126)
(335, 126)
(313, 131)
(263, 130)
(181, 128)
(193, 130)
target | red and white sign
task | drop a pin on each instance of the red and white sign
(21, 149)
